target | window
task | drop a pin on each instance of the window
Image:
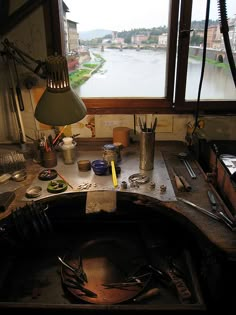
(171, 92)
(217, 82)
(123, 46)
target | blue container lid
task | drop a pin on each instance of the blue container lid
(110, 147)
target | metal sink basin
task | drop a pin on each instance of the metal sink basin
(132, 240)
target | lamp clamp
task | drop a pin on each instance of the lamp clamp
(22, 58)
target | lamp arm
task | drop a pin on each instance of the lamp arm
(59, 105)
(10, 50)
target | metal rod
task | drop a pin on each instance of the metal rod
(226, 218)
(77, 272)
(17, 106)
(205, 211)
(222, 217)
(189, 168)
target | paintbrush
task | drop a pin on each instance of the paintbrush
(65, 180)
(154, 125)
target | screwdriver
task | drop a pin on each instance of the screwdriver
(181, 182)
(187, 186)
(178, 183)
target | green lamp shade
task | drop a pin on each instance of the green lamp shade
(60, 109)
(59, 105)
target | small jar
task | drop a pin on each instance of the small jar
(109, 153)
(49, 159)
(68, 147)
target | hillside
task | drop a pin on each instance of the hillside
(99, 33)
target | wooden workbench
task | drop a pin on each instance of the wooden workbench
(216, 232)
(217, 257)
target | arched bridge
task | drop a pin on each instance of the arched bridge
(211, 53)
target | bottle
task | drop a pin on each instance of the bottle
(68, 146)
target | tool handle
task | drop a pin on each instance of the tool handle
(179, 184)
(187, 186)
(20, 99)
(140, 124)
(66, 265)
(211, 198)
(154, 125)
(182, 290)
(150, 293)
(114, 177)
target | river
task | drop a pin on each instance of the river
(131, 73)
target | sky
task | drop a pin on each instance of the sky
(129, 14)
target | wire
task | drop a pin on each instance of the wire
(224, 28)
(203, 64)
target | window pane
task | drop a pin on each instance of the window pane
(217, 83)
(121, 47)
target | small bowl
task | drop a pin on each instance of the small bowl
(99, 167)
(33, 192)
(4, 178)
(84, 165)
(47, 174)
(19, 176)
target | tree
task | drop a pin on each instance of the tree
(195, 39)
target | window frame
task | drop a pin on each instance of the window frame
(174, 102)
(181, 105)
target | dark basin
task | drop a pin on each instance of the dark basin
(114, 245)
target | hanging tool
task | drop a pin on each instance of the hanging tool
(18, 90)
(16, 105)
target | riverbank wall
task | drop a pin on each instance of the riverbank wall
(214, 54)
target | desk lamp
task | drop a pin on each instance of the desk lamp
(59, 105)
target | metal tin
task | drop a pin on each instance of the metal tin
(49, 159)
(147, 150)
(109, 153)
